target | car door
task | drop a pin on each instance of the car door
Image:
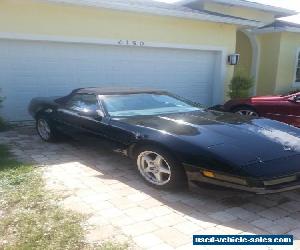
(294, 111)
(80, 115)
(281, 109)
(68, 114)
(119, 131)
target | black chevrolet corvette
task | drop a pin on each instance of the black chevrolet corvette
(174, 140)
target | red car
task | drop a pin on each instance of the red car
(284, 108)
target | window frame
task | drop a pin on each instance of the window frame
(66, 104)
(296, 67)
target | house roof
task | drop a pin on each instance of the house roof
(279, 12)
(163, 9)
(279, 26)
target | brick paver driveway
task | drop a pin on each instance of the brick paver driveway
(106, 186)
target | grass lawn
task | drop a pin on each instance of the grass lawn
(29, 215)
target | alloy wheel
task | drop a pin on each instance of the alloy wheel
(154, 168)
(44, 129)
(247, 112)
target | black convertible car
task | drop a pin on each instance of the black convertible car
(174, 140)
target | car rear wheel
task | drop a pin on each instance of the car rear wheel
(45, 130)
(246, 111)
(159, 169)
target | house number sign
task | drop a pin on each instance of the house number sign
(131, 43)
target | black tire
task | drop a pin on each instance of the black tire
(52, 133)
(245, 110)
(177, 178)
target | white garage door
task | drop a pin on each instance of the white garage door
(29, 69)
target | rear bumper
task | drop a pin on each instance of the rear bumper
(195, 177)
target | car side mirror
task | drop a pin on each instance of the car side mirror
(99, 114)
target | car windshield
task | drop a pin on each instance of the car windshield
(291, 92)
(145, 104)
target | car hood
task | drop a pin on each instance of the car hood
(272, 97)
(266, 98)
(238, 139)
(251, 100)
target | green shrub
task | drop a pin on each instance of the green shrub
(239, 86)
(1, 99)
(3, 124)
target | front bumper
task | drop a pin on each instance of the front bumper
(196, 177)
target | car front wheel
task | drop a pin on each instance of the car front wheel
(246, 111)
(159, 169)
(45, 130)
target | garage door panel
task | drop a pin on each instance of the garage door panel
(32, 69)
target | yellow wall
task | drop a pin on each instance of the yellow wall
(244, 48)
(34, 17)
(277, 62)
(269, 57)
(240, 12)
(290, 43)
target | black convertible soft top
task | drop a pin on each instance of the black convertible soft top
(108, 91)
(116, 90)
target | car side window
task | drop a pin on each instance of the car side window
(83, 103)
(297, 98)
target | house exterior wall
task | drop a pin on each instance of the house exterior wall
(277, 62)
(42, 18)
(244, 48)
(289, 46)
(268, 66)
(240, 12)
